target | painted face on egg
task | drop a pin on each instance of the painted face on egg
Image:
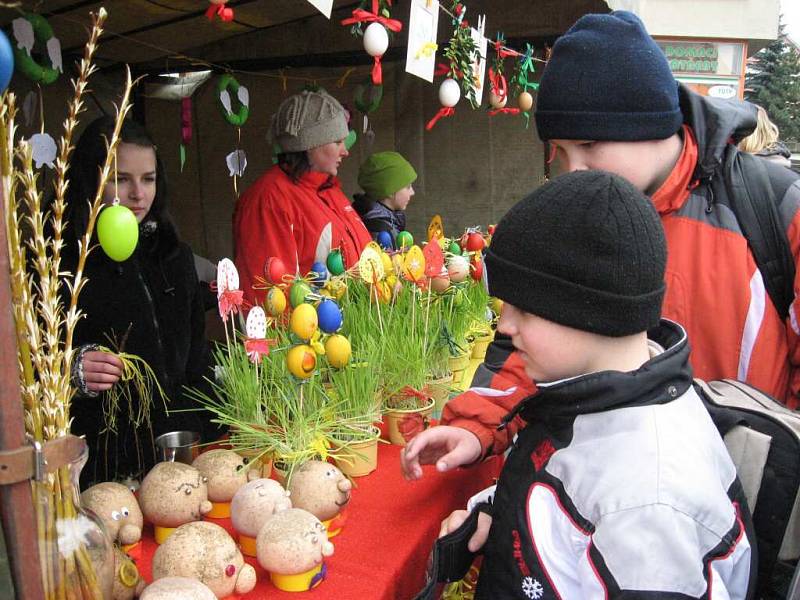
(119, 510)
(320, 488)
(173, 494)
(292, 542)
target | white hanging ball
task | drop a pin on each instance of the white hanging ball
(497, 101)
(449, 93)
(376, 40)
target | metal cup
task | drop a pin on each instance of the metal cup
(178, 446)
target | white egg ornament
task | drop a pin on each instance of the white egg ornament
(449, 93)
(376, 40)
(496, 101)
(458, 268)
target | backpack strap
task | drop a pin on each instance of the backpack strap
(753, 202)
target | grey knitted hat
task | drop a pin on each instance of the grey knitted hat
(307, 120)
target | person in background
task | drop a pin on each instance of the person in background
(618, 484)
(386, 179)
(149, 305)
(764, 141)
(296, 211)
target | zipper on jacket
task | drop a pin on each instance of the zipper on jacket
(156, 327)
(710, 196)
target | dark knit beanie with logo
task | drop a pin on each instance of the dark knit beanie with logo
(585, 250)
(607, 79)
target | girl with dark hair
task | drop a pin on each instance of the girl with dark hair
(148, 305)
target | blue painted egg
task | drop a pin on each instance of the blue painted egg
(329, 316)
(319, 274)
(384, 239)
(6, 62)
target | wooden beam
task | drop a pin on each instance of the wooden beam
(16, 505)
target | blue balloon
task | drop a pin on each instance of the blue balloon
(6, 62)
(384, 239)
(320, 274)
(329, 316)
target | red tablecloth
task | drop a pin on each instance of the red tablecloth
(383, 548)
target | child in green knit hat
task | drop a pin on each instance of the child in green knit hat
(386, 179)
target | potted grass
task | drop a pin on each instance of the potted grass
(355, 389)
(458, 318)
(481, 331)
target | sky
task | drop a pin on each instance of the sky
(791, 18)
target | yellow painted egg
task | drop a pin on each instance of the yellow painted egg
(301, 361)
(276, 301)
(304, 321)
(338, 350)
(387, 263)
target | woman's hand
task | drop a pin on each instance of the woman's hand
(101, 370)
(455, 520)
(447, 447)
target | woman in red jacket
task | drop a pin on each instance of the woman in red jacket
(296, 211)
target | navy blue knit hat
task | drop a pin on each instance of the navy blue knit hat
(607, 80)
(586, 250)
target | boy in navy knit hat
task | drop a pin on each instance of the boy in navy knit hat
(618, 485)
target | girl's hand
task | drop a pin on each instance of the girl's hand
(478, 539)
(101, 370)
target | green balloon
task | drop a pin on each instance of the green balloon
(405, 240)
(335, 263)
(298, 293)
(118, 232)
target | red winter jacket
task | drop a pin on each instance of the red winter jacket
(714, 288)
(297, 222)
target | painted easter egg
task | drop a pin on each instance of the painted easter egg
(457, 268)
(329, 316)
(475, 242)
(301, 361)
(335, 262)
(118, 232)
(405, 240)
(384, 239)
(298, 292)
(276, 301)
(338, 350)
(275, 270)
(303, 321)
(319, 274)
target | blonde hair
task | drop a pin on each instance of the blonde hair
(765, 135)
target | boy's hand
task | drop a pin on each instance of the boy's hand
(101, 370)
(448, 447)
(478, 539)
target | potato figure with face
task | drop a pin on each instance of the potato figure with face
(292, 546)
(252, 505)
(118, 509)
(323, 490)
(207, 553)
(172, 494)
(177, 588)
(226, 473)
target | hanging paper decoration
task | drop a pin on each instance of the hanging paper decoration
(434, 259)
(423, 23)
(478, 68)
(27, 31)
(323, 6)
(435, 228)
(376, 38)
(218, 9)
(237, 163)
(43, 149)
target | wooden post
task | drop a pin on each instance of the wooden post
(16, 504)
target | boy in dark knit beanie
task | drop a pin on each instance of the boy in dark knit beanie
(608, 100)
(618, 484)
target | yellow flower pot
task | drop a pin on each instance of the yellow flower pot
(394, 416)
(458, 364)
(357, 459)
(440, 391)
(480, 344)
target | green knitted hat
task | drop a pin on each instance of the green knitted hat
(385, 173)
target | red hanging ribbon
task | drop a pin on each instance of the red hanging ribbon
(224, 13)
(410, 392)
(377, 72)
(362, 16)
(502, 51)
(445, 111)
(504, 111)
(498, 82)
(186, 120)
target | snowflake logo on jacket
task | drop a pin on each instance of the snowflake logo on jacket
(532, 588)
